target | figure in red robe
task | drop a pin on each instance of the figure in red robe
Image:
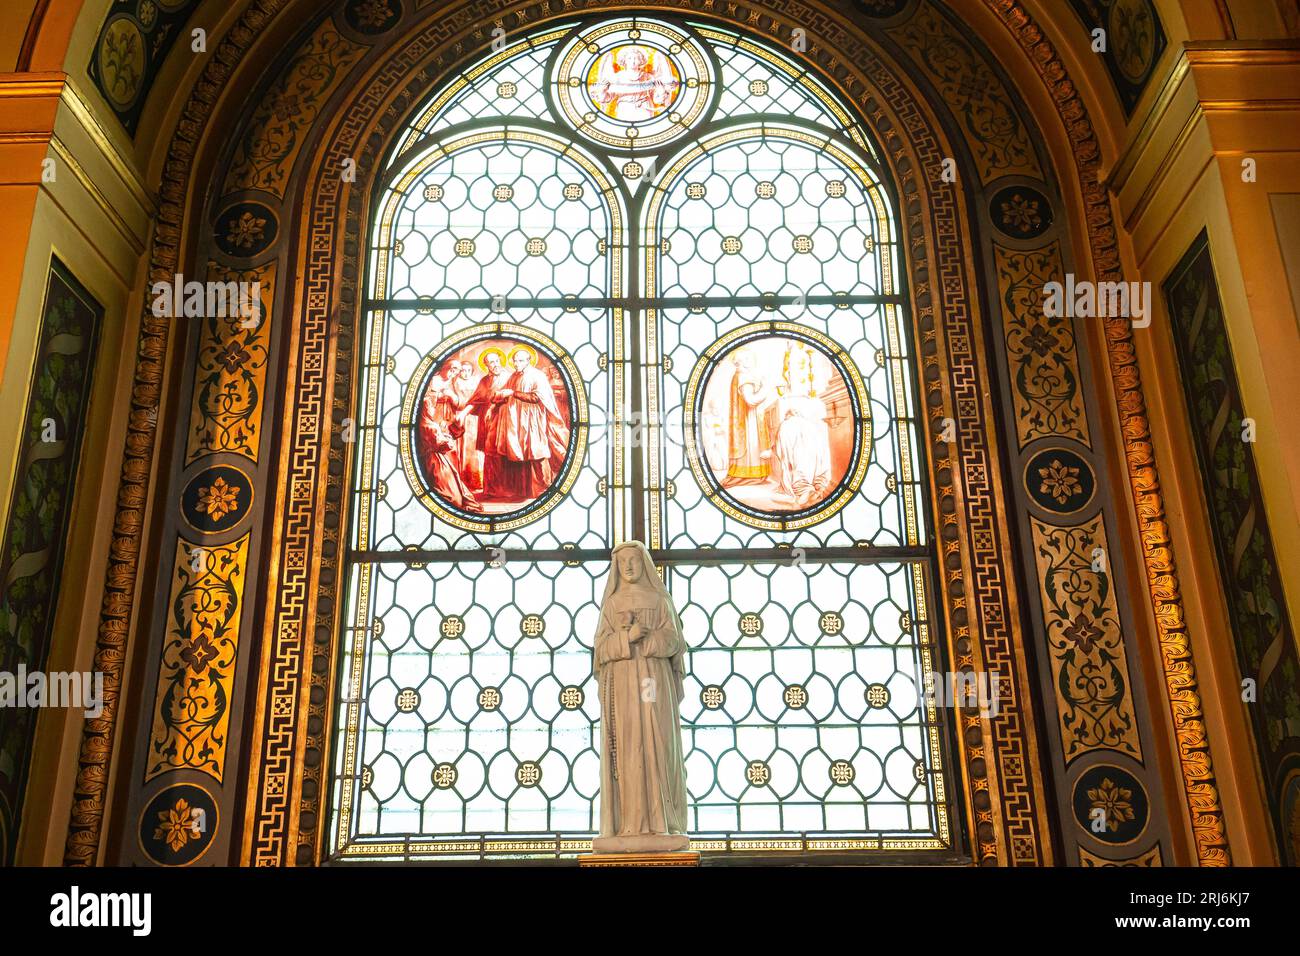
(532, 437)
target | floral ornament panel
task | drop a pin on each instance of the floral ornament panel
(990, 124)
(1150, 858)
(245, 229)
(372, 17)
(178, 825)
(1111, 804)
(197, 671)
(1059, 480)
(1041, 357)
(135, 40)
(216, 499)
(1094, 696)
(1021, 212)
(230, 373)
(1135, 40)
(273, 137)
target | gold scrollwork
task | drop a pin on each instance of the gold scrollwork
(1089, 664)
(196, 676)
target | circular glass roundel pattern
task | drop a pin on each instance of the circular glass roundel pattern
(493, 427)
(632, 83)
(778, 428)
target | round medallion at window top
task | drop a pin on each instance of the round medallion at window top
(758, 773)
(535, 247)
(544, 404)
(1021, 212)
(528, 773)
(795, 697)
(877, 696)
(532, 625)
(573, 192)
(831, 622)
(1059, 480)
(750, 624)
(1111, 804)
(465, 248)
(818, 402)
(444, 776)
(765, 190)
(503, 193)
(489, 698)
(842, 773)
(624, 81)
(713, 697)
(178, 825)
(571, 697)
(633, 170)
(216, 499)
(245, 229)
(372, 16)
(452, 626)
(408, 698)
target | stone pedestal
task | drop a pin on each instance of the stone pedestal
(642, 843)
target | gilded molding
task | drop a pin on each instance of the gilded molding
(1199, 785)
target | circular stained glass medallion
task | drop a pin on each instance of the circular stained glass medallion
(778, 427)
(494, 425)
(632, 82)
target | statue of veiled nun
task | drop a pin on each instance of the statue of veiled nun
(640, 664)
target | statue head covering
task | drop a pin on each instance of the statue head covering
(649, 579)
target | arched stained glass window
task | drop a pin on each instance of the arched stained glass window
(635, 278)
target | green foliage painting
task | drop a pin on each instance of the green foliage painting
(40, 509)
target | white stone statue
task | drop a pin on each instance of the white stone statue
(640, 664)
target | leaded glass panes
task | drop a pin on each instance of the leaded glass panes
(633, 278)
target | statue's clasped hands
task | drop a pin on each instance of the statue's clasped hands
(635, 629)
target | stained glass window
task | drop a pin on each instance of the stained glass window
(636, 278)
